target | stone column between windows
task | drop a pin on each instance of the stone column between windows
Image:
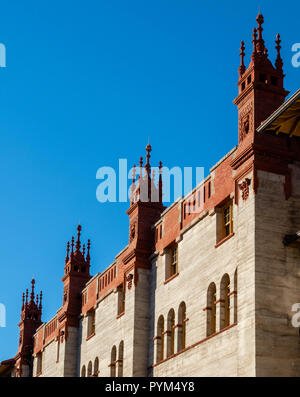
(232, 298)
(156, 342)
(218, 314)
(165, 336)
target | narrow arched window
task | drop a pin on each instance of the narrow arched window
(160, 339)
(211, 310)
(171, 333)
(90, 369)
(83, 371)
(225, 302)
(96, 366)
(113, 361)
(181, 326)
(120, 359)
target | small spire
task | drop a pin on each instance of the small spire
(260, 40)
(242, 54)
(23, 301)
(279, 62)
(133, 174)
(78, 244)
(254, 41)
(37, 300)
(26, 300)
(32, 290)
(72, 245)
(88, 251)
(133, 178)
(68, 251)
(141, 167)
(83, 249)
(41, 295)
(160, 182)
(147, 166)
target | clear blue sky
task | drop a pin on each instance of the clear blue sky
(86, 83)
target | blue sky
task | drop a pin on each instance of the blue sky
(87, 83)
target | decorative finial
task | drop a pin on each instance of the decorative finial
(26, 300)
(41, 295)
(68, 250)
(72, 245)
(83, 249)
(147, 166)
(133, 186)
(23, 300)
(279, 62)
(242, 54)
(133, 174)
(88, 251)
(160, 182)
(254, 41)
(260, 42)
(141, 167)
(32, 290)
(78, 244)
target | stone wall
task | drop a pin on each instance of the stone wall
(231, 352)
(277, 276)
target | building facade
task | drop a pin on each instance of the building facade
(204, 287)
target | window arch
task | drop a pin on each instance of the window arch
(120, 359)
(171, 333)
(225, 302)
(83, 371)
(160, 339)
(113, 361)
(211, 310)
(96, 366)
(181, 326)
(90, 369)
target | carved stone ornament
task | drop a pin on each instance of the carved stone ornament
(132, 232)
(129, 279)
(244, 187)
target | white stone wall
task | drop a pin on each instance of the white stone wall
(62, 364)
(277, 276)
(232, 352)
(109, 331)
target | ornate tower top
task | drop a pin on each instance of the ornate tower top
(76, 261)
(261, 89)
(145, 190)
(32, 309)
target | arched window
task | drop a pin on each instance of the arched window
(83, 371)
(113, 361)
(96, 366)
(235, 296)
(171, 333)
(120, 359)
(160, 339)
(181, 326)
(90, 369)
(211, 310)
(225, 302)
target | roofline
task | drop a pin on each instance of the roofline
(279, 111)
